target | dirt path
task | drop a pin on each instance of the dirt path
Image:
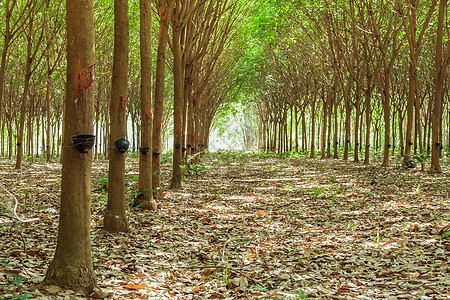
(248, 227)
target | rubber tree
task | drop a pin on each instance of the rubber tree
(442, 59)
(388, 49)
(145, 196)
(53, 30)
(34, 40)
(408, 14)
(71, 267)
(165, 10)
(182, 13)
(115, 218)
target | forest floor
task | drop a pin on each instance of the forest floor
(245, 227)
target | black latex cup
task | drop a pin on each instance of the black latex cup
(83, 142)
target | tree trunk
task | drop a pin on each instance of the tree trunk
(441, 63)
(324, 124)
(291, 127)
(187, 90)
(304, 139)
(357, 116)
(414, 52)
(296, 128)
(47, 110)
(165, 12)
(330, 112)
(401, 138)
(178, 76)
(410, 110)
(348, 112)
(387, 125)
(190, 114)
(31, 55)
(26, 90)
(313, 119)
(6, 44)
(335, 135)
(145, 196)
(368, 124)
(115, 219)
(71, 267)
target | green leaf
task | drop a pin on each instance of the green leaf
(24, 296)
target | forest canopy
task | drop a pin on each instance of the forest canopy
(333, 78)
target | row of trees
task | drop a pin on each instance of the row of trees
(109, 80)
(201, 57)
(31, 101)
(346, 74)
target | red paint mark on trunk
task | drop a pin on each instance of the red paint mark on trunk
(148, 114)
(84, 78)
(122, 103)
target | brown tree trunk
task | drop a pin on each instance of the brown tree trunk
(29, 70)
(115, 218)
(291, 125)
(304, 139)
(187, 89)
(441, 62)
(145, 197)
(165, 8)
(387, 125)
(71, 267)
(47, 110)
(8, 34)
(178, 76)
(313, 120)
(336, 132)
(296, 128)
(414, 51)
(368, 111)
(23, 107)
(357, 116)
(330, 112)
(401, 138)
(393, 134)
(347, 118)
(190, 114)
(324, 123)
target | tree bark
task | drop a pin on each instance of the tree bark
(145, 197)
(356, 129)
(178, 87)
(165, 8)
(71, 267)
(414, 52)
(441, 62)
(348, 112)
(115, 219)
(48, 113)
(313, 119)
(26, 89)
(324, 123)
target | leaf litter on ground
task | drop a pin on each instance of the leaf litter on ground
(252, 227)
